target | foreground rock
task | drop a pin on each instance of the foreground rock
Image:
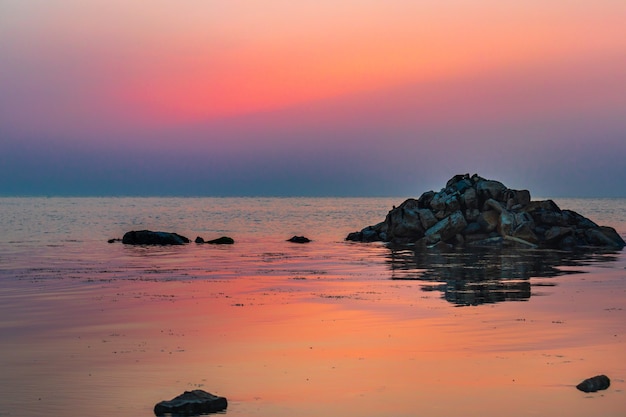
(597, 383)
(148, 237)
(477, 211)
(224, 240)
(191, 403)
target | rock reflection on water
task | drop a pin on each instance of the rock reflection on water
(486, 275)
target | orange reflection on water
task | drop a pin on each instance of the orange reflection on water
(292, 340)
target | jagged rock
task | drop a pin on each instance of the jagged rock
(473, 210)
(147, 237)
(471, 215)
(556, 232)
(506, 223)
(525, 231)
(472, 228)
(487, 189)
(425, 199)
(596, 383)
(603, 236)
(574, 219)
(299, 239)
(374, 233)
(492, 204)
(405, 221)
(489, 220)
(447, 228)
(516, 199)
(191, 403)
(438, 202)
(470, 198)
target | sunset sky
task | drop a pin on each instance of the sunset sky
(323, 98)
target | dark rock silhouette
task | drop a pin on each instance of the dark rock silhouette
(191, 403)
(148, 237)
(596, 383)
(224, 240)
(474, 211)
(299, 239)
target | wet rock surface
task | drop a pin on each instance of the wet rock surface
(596, 383)
(191, 403)
(474, 211)
(148, 237)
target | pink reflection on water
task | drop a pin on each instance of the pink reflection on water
(294, 331)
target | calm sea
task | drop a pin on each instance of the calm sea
(281, 329)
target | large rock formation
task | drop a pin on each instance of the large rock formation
(477, 211)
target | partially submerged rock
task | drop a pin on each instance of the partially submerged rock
(191, 403)
(224, 240)
(299, 239)
(477, 211)
(596, 383)
(148, 237)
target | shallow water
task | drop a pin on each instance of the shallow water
(281, 329)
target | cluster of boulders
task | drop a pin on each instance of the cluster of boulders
(477, 211)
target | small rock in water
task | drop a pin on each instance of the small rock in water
(299, 239)
(597, 383)
(191, 403)
(224, 240)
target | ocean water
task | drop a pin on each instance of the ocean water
(282, 329)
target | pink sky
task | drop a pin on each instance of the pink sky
(458, 86)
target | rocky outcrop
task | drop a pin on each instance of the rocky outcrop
(191, 403)
(148, 237)
(477, 211)
(596, 383)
